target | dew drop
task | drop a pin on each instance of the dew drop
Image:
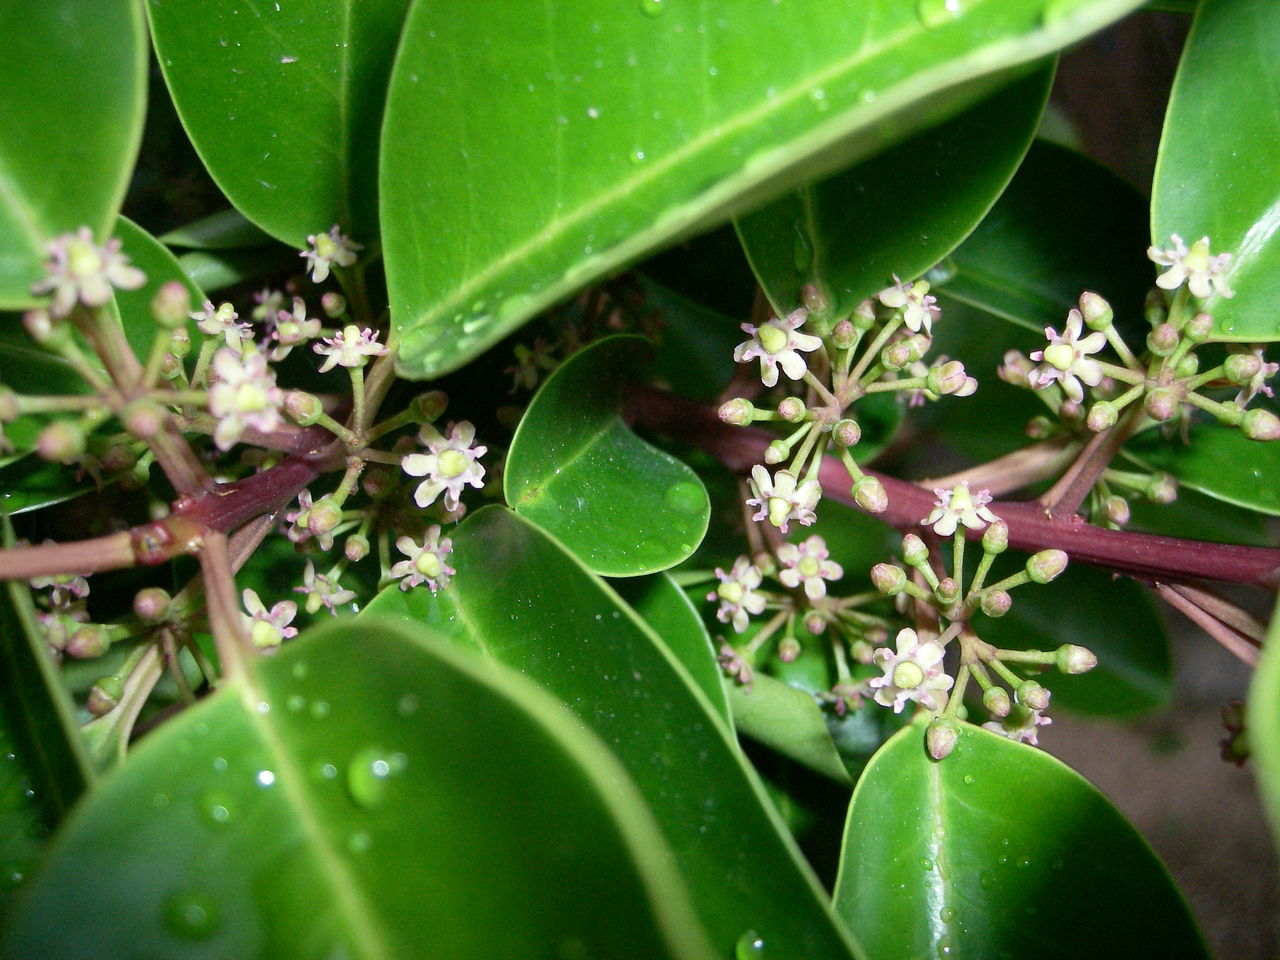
(323, 770)
(265, 778)
(636, 157)
(296, 702)
(968, 778)
(319, 709)
(369, 774)
(936, 13)
(653, 8)
(191, 916)
(593, 113)
(216, 807)
(818, 97)
(926, 864)
(408, 704)
(948, 914)
(219, 764)
(750, 946)
(299, 669)
(684, 497)
(985, 880)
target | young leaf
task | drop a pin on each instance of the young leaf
(283, 102)
(605, 137)
(1216, 171)
(365, 793)
(551, 619)
(71, 111)
(788, 720)
(898, 213)
(623, 506)
(999, 851)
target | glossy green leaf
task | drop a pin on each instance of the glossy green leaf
(30, 483)
(214, 270)
(161, 267)
(1115, 618)
(1217, 174)
(1263, 721)
(1219, 461)
(1065, 225)
(789, 721)
(283, 102)
(224, 230)
(71, 112)
(575, 468)
(550, 618)
(607, 133)
(898, 213)
(27, 369)
(997, 853)
(694, 344)
(1199, 517)
(365, 793)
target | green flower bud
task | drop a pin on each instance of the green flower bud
(356, 548)
(333, 304)
(940, 738)
(1161, 403)
(427, 407)
(1241, 367)
(739, 412)
(947, 378)
(1198, 328)
(864, 315)
(143, 418)
(996, 603)
(843, 335)
(1039, 427)
(995, 539)
(846, 433)
(171, 306)
(776, 452)
(1102, 416)
(1033, 696)
(1163, 340)
(91, 640)
(914, 552)
(1259, 424)
(896, 355)
(324, 516)
(118, 458)
(888, 578)
(1096, 311)
(815, 299)
(789, 648)
(869, 494)
(44, 329)
(60, 442)
(996, 701)
(1070, 412)
(1188, 366)
(1073, 658)
(1163, 488)
(180, 343)
(1117, 510)
(947, 591)
(792, 410)
(1046, 566)
(303, 408)
(104, 695)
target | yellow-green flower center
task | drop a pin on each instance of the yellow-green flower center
(907, 675)
(83, 259)
(1060, 355)
(451, 463)
(428, 565)
(772, 339)
(730, 592)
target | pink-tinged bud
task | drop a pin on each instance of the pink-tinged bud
(896, 355)
(947, 591)
(333, 304)
(60, 442)
(869, 494)
(1015, 368)
(995, 539)
(969, 388)
(888, 579)
(104, 695)
(940, 738)
(171, 306)
(996, 701)
(1188, 366)
(864, 315)
(1033, 696)
(776, 452)
(41, 327)
(88, 642)
(996, 603)
(815, 299)
(1260, 424)
(1161, 403)
(1046, 566)
(324, 516)
(1241, 367)
(739, 412)
(918, 344)
(1070, 412)
(1163, 488)
(789, 649)
(846, 433)
(151, 605)
(1163, 340)
(948, 378)
(428, 406)
(1073, 658)
(815, 623)
(914, 552)
(844, 335)
(792, 410)
(118, 458)
(143, 418)
(8, 405)
(1117, 510)
(1102, 416)
(1040, 427)
(180, 343)
(356, 548)
(303, 408)
(1198, 328)
(376, 482)
(1096, 311)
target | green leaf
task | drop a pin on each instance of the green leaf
(999, 851)
(224, 230)
(71, 112)
(1216, 460)
(549, 618)
(283, 102)
(214, 270)
(576, 469)
(1216, 174)
(161, 267)
(1115, 618)
(365, 793)
(1263, 721)
(25, 368)
(788, 720)
(898, 213)
(31, 483)
(602, 138)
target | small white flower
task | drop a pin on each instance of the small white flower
(322, 591)
(449, 466)
(269, 303)
(777, 343)
(299, 530)
(266, 627)
(80, 270)
(957, 506)
(244, 395)
(352, 347)
(1201, 272)
(1021, 724)
(220, 321)
(327, 249)
(1258, 382)
(919, 307)
(290, 329)
(426, 563)
(1066, 359)
(808, 563)
(914, 672)
(737, 593)
(783, 498)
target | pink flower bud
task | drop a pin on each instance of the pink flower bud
(1046, 566)
(1161, 403)
(996, 603)
(1242, 367)
(171, 306)
(792, 410)
(739, 412)
(1260, 425)
(1102, 416)
(1072, 658)
(151, 604)
(1033, 696)
(1163, 488)
(888, 579)
(940, 738)
(1117, 509)
(303, 408)
(995, 539)
(846, 433)
(1096, 311)
(997, 703)
(789, 648)
(869, 494)
(60, 442)
(1163, 340)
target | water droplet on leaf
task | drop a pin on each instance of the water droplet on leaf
(750, 946)
(191, 916)
(369, 775)
(216, 807)
(653, 8)
(936, 13)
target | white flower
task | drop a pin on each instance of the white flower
(269, 303)
(426, 563)
(1201, 272)
(808, 563)
(244, 395)
(220, 321)
(914, 672)
(783, 498)
(289, 330)
(80, 270)
(957, 506)
(327, 249)
(352, 347)
(266, 627)
(737, 593)
(1258, 382)
(776, 343)
(1021, 724)
(322, 591)
(1066, 360)
(449, 467)
(919, 307)
(299, 520)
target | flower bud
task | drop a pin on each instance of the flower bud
(171, 367)
(60, 442)
(995, 539)
(333, 304)
(1163, 340)
(1033, 696)
(914, 552)
(888, 578)
(1039, 427)
(151, 605)
(356, 548)
(1259, 424)
(940, 738)
(1070, 412)
(864, 315)
(1015, 368)
(1117, 510)
(376, 482)
(8, 405)
(996, 701)
(118, 458)
(1241, 367)
(776, 452)
(180, 343)
(1046, 566)
(1188, 366)
(844, 335)
(792, 410)
(1153, 306)
(789, 649)
(814, 298)
(947, 591)
(863, 650)
(869, 494)
(1073, 658)
(1161, 403)
(88, 642)
(428, 406)
(43, 329)
(1162, 488)
(896, 355)
(104, 695)
(303, 408)
(947, 378)
(1198, 328)
(143, 418)
(1102, 416)
(996, 603)
(171, 306)
(739, 412)
(846, 433)
(1096, 311)
(324, 516)
(815, 623)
